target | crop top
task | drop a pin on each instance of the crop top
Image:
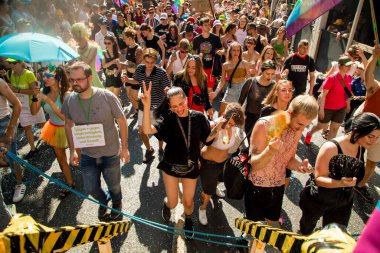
(218, 143)
(239, 73)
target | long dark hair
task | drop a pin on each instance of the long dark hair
(115, 47)
(362, 125)
(63, 83)
(164, 108)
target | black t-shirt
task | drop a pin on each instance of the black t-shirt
(161, 29)
(207, 46)
(118, 31)
(299, 68)
(169, 131)
(170, 43)
(153, 43)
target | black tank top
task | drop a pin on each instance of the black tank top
(342, 165)
(131, 54)
(108, 59)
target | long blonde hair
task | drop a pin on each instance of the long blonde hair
(272, 97)
(232, 45)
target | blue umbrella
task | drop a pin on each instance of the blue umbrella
(35, 47)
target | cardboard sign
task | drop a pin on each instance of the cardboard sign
(201, 5)
(87, 136)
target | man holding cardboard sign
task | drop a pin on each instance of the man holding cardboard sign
(90, 115)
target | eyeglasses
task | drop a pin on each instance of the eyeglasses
(78, 80)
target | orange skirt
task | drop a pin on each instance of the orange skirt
(54, 135)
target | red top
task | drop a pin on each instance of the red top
(372, 103)
(199, 108)
(335, 99)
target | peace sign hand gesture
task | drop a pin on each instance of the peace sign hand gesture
(145, 96)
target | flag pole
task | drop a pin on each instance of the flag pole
(374, 25)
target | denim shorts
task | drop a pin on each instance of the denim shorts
(233, 93)
(4, 122)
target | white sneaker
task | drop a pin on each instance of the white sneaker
(203, 217)
(19, 193)
(219, 192)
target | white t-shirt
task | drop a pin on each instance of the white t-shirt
(178, 64)
(99, 38)
(241, 35)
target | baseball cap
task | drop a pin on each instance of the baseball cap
(217, 22)
(11, 60)
(222, 17)
(102, 20)
(164, 16)
(345, 61)
(191, 19)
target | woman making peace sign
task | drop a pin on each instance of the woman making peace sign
(183, 130)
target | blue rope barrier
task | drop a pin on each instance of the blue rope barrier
(162, 227)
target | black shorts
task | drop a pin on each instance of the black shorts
(210, 172)
(263, 202)
(133, 86)
(113, 81)
(336, 116)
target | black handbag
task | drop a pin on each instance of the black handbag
(236, 171)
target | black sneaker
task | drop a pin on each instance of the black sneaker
(102, 212)
(114, 216)
(189, 226)
(166, 213)
(31, 154)
(364, 192)
(148, 155)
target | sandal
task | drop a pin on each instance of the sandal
(65, 192)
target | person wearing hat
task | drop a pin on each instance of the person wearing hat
(222, 19)
(163, 27)
(23, 83)
(111, 23)
(334, 102)
(99, 36)
(118, 31)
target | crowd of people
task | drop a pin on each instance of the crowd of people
(174, 64)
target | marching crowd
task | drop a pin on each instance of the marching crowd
(173, 63)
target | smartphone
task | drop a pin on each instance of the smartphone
(227, 120)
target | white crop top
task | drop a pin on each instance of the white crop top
(219, 144)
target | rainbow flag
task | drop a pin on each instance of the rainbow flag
(176, 5)
(305, 11)
(119, 3)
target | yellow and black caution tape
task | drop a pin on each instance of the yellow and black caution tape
(24, 234)
(279, 239)
(329, 239)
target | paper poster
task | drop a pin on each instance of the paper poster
(87, 136)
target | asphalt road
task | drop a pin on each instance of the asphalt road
(143, 193)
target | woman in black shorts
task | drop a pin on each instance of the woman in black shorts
(339, 168)
(133, 58)
(183, 130)
(213, 157)
(111, 65)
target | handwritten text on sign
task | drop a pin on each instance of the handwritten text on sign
(87, 136)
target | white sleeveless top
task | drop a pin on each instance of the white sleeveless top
(220, 144)
(4, 107)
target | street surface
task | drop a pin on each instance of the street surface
(143, 193)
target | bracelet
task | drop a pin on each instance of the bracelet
(34, 99)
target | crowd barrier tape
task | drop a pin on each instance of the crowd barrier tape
(169, 229)
(329, 239)
(279, 239)
(24, 235)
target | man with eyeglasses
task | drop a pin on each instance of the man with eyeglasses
(178, 59)
(90, 115)
(207, 45)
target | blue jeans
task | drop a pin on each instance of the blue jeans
(92, 168)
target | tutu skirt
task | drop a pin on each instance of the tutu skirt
(54, 135)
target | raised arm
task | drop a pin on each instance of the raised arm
(371, 84)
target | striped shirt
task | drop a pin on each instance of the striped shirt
(159, 79)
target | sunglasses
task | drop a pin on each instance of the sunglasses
(47, 74)
(183, 52)
(14, 63)
(195, 57)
